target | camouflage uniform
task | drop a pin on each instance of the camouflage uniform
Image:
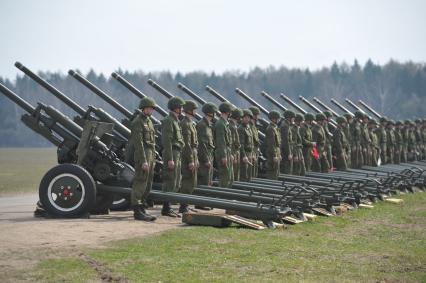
(307, 142)
(375, 148)
(272, 150)
(247, 147)
(205, 151)
(223, 147)
(390, 142)
(298, 159)
(347, 132)
(319, 136)
(235, 147)
(339, 144)
(382, 137)
(256, 141)
(287, 143)
(357, 158)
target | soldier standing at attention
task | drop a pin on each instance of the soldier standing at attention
(329, 138)
(419, 138)
(256, 140)
(287, 142)
(398, 142)
(189, 152)
(307, 141)
(404, 135)
(411, 148)
(382, 137)
(365, 140)
(390, 141)
(223, 146)
(143, 139)
(339, 144)
(298, 160)
(234, 122)
(273, 144)
(318, 136)
(375, 148)
(348, 136)
(355, 129)
(206, 145)
(247, 146)
(172, 142)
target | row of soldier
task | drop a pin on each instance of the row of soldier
(230, 144)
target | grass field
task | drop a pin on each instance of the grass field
(21, 169)
(384, 244)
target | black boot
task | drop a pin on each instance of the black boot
(183, 208)
(168, 211)
(139, 214)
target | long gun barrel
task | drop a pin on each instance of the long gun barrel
(370, 109)
(167, 94)
(216, 94)
(343, 108)
(136, 91)
(316, 109)
(326, 107)
(192, 94)
(356, 107)
(251, 100)
(101, 93)
(273, 101)
(292, 103)
(77, 108)
(18, 100)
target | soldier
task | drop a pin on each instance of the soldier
(273, 144)
(398, 142)
(298, 160)
(339, 144)
(381, 136)
(424, 138)
(206, 145)
(365, 140)
(223, 146)
(355, 130)
(404, 136)
(412, 149)
(390, 141)
(256, 140)
(329, 139)
(190, 162)
(234, 122)
(307, 141)
(287, 142)
(247, 146)
(143, 139)
(419, 138)
(375, 148)
(172, 142)
(320, 164)
(348, 136)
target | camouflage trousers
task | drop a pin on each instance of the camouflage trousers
(236, 164)
(205, 173)
(255, 166)
(246, 172)
(299, 163)
(189, 177)
(226, 174)
(272, 167)
(172, 177)
(142, 182)
(307, 156)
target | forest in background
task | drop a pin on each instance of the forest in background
(397, 90)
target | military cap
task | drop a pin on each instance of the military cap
(320, 117)
(407, 122)
(247, 112)
(398, 123)
(372, 122)
(418, 121)
(299, 117)
(147, 102)
(209, 108)
(341, 120)
(225, 107)
(237, 113)
(274, 115)
(391, 122)
(254, 110)
(309, 117)
(383, 119)
(327, 114)
(288, 114)
(175, 102)
(348, 116)
(190, 106)
(359, 114)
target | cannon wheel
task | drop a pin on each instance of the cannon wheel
(103, 203)
(67, 190)
(120, 203)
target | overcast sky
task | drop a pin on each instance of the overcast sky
(209, 35)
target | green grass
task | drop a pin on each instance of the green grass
(21, 169)
(385, 244)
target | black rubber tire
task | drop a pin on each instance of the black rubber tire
(120, 203)
(85, 191)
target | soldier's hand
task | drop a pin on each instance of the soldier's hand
(170, 164)
(191, 166)
(224, 162)
(276, 159)
(208, 164)
(245, 159)
(290, 157)
(145, 166)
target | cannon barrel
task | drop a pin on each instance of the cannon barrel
(216, 94)
(192, 94)
(18, 100)
(136, 92)
(326, 107)
(369, 108)
(77, 108)
(343, 108)
(356, 107)
(316, 109)
(101, 93)
(273, 101)
(292, 103)
(251, 100)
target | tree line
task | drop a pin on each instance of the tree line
(397, 90)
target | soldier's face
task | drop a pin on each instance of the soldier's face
(148, 111)
(246, 119)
